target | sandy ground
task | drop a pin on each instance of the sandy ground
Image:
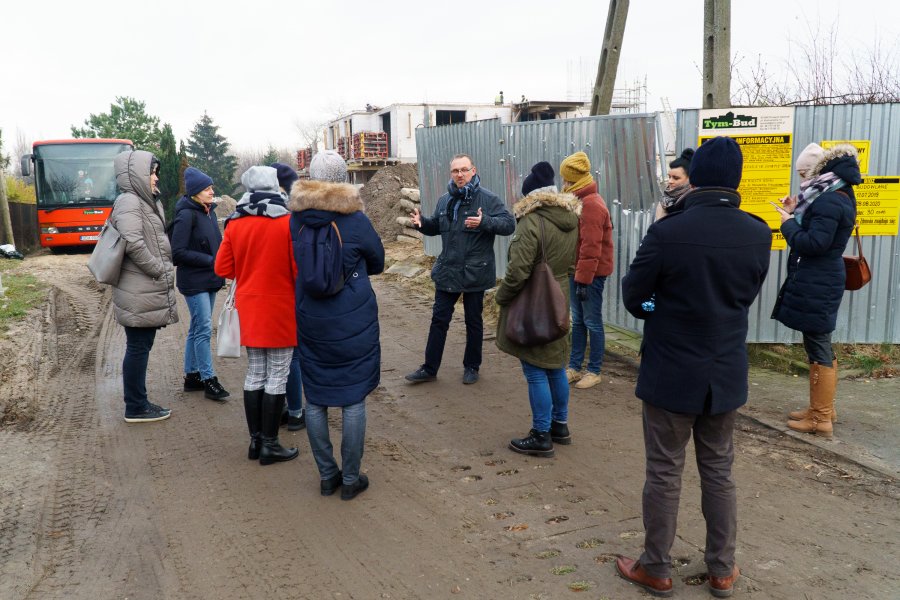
(91, 507)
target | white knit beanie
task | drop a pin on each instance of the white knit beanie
(808, 159)
(328, 166)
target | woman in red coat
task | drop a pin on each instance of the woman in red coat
(256, 252)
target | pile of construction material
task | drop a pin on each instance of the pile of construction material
(386, 202)
(409, 201)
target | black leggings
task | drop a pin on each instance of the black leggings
(818, 348)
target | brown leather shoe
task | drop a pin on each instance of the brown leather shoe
(632, 571)
(723, 587)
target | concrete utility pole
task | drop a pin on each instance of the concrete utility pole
(609, 57)
(716, 53)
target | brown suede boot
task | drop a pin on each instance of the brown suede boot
(800, 415)
(823, 383)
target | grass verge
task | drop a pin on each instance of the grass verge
(22, 292)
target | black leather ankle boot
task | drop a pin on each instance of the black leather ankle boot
(559, 433)
(538, 443)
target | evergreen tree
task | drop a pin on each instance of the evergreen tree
(182, 165)
(209, 152)
(127, 119)
(270, 157)
(168, 170)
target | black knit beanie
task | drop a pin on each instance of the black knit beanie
(541, 176)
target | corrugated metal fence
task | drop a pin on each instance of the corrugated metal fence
(869, 315)
(625, 155)
(624, 152)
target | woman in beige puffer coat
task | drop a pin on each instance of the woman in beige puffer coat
(144, 297)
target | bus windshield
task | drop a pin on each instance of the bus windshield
(76, 173)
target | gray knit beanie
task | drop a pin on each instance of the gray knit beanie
(328, 166)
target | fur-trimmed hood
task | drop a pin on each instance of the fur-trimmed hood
(342, 198)
(843, 161)
(545, 198)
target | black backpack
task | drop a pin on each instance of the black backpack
(321, 260)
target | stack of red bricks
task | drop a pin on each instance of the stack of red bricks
(343, 147)
(369, 144)
(304, 156)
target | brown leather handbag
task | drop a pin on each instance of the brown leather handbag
(858, 272)
(539, 314)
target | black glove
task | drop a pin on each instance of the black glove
(581, 292)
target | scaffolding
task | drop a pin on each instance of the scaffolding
(630, 100)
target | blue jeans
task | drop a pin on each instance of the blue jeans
(138, 342)
(294, 387)
(548, 392)
(353, 439)
(587, 320)
(444, 302)
(197, 351)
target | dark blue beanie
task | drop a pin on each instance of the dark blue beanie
(718, 162)
(195, 181)
(286, 176)
(541, 176)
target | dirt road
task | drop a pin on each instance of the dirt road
(94, 508)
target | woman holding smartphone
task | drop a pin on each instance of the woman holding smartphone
(817, 224)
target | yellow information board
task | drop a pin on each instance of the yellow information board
(766, 177)
(878, 205)
(863, 147)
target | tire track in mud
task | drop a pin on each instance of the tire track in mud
(60, 495)
(101, 509)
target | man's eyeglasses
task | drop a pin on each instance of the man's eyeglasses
(460, 171)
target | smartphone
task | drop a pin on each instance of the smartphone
(778, 208)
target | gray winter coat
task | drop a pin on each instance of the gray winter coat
(145, 294)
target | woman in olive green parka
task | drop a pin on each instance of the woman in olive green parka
(544, 366)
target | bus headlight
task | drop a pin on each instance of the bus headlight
(49, 230)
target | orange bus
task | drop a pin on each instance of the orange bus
(75, 185)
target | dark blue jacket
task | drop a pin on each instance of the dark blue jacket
(338, 336)
(195, 242)
(705, 265)
(466, 263)
(811, 294)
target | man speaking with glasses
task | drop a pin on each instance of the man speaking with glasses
(467, 218)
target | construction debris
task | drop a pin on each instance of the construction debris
(389, 197)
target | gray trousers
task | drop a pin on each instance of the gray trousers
(666, 435)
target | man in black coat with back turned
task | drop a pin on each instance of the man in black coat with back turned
(693, 280)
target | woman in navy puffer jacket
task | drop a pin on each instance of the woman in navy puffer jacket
(338, 335)
(195, 242)
(817, 225)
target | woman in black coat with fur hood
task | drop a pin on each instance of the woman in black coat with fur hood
(817, 225)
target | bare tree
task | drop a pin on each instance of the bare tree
(810, 74)
(23, 147)
(310, 132)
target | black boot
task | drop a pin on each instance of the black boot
(538, 443)
(559, 433)
(193, 383)
(253, 411)
(214, 390)
(271, 450)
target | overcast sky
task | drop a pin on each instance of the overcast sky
(260, 69)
